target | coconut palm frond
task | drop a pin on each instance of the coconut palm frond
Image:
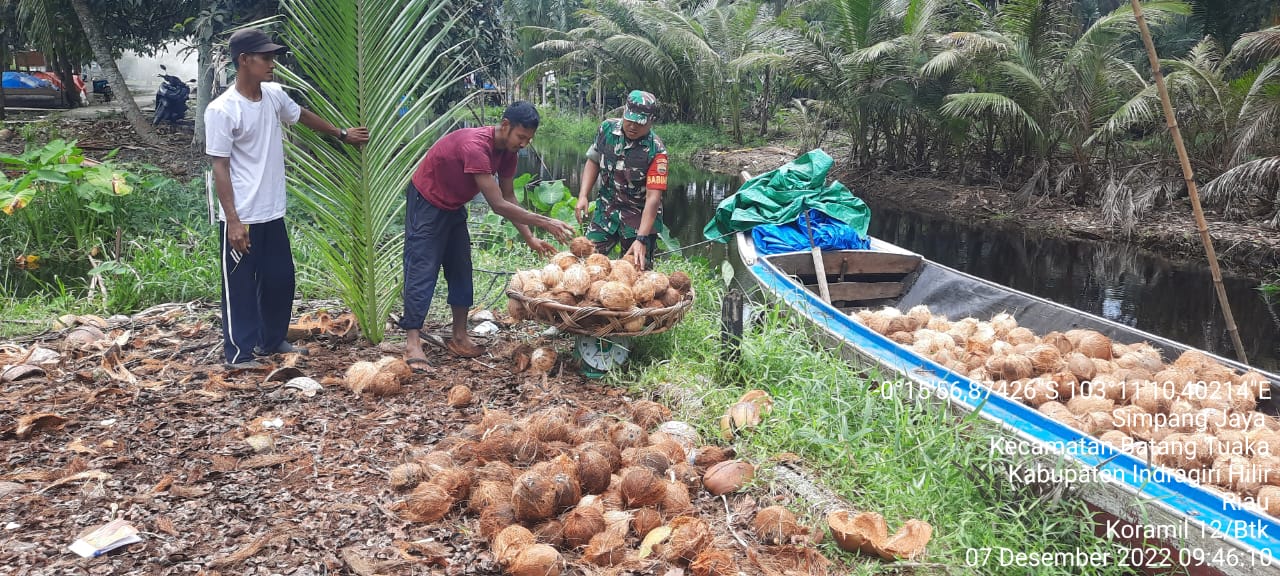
(1143, 109)
(942, 63)
(1260, 114)
(643, 56)
(364, 62)
(1022, 77)
(1257, 46)
(878, 50)
(992, 107)
(1251, 178)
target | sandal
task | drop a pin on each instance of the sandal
(418, 365)
(461, 351)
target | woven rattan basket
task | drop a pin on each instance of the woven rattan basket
(601, 322)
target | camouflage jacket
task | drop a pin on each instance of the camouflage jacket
(627, 170)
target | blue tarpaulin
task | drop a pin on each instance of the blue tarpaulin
(828, 234)
(23, 80)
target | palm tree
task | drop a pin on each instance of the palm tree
(363, 60)
(104, 54)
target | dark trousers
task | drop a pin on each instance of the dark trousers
(433, 239)
(257, 290)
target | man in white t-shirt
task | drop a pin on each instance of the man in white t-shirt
(245, 138)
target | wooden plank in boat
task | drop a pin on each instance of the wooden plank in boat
(850, 291)
(847, 262)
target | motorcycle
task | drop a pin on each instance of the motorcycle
(171, 99)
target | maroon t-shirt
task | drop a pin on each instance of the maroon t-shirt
(446, 176)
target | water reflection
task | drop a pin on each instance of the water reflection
(1118, 282)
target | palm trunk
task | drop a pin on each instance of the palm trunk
(102, 52)
(204, 87)
(764, 113)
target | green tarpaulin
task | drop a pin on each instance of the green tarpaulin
(781, 195)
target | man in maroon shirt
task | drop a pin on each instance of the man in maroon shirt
(458, 166)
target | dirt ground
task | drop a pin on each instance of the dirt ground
(236, 472)
(1243, 248)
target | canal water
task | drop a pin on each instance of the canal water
(1115, 281)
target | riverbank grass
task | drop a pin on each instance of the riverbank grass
(862, 438)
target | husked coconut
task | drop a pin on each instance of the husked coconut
(680, 282)
(564, 260)
(582, 247)
(617, 296)
(600, 260)
(551, 276)
(623, 271)
(575, 280)
(642, 290)
(659, 281)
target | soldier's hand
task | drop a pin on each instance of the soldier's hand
(636, 254)
(581, 209)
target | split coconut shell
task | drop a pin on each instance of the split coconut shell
(728, 476)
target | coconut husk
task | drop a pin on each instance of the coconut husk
(406, 475)
(396, 366)
(455, 481)
(593, 471)
(551, 425)
(607, 548)
(680, 282)
(617, 296)
(537, 560)
(714, 562)
(670, 297)
(623, 271)
(582, 523)
(642, 289)
(865, 532)
(641, 487)
(669, 447)
(643, 520)
(648, 457)
(495, 471)
(689, 537)
(576, 280)
(524, 448)
(708, 456)
(550, 533)
(489, 493)
(510, 542)
(909, 542)
(427, 503)
(534, 496)
(777, 525)
(496, 517)
(360, 376)
(675, 501)
(648, 414)
(686, 474)
(566, 488)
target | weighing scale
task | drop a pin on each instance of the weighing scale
(600, 355)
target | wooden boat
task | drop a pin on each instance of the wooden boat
(1163, 518)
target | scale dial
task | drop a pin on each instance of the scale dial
(603, 354)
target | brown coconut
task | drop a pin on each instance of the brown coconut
(623, 271)
(581, 523)
(680, 282)
(708, 456)
(525, 448)
(1134, 421)
(607, 548)
(494, 518)
(617, 296)
(533, 285)
(384, 384)
(1081, 405)
(427, 503)
(627, 435)
(1269, 499)
(1094, 345)
(686, 474)
(689, 536)
(489, 493)
(565, 260)
(643, 289)
(533, 497)
(396, 366)
(728, 476)
(406, 475)
(1116, 438)
(593, 471)
(605, 448)
(567, 490)
(713, 562)
(641, 487)
(659, 280)
(676, 501)
(776, 525)
(537, 560)
(1020, 335)
(670, 297)
(542, 360)
(582, 247)
(1045, 358)
(459, 396)
(1016, 367)
(510, 542)
(551, 275)
(1057, 340)
(455, 481)
(550, 532)
(360, 376)
(600, 260)
(648, 414)
(670, 447)
(517, 311)
(597, 273)
(644, 520)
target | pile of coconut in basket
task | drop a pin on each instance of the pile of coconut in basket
(583, 278)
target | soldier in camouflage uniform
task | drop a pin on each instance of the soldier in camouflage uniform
(631, 164)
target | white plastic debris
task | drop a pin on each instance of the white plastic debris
(485, 329)
(305, 385)
(273, 423)
(12, 526)
(551, 332)
(107, 422)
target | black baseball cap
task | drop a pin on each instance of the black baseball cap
(253, 41)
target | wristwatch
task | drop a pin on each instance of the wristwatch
(645, 239)
(342, 134)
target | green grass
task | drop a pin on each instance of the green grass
(682, 140)
(875, 448)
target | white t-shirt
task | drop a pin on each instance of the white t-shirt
(250, 134)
